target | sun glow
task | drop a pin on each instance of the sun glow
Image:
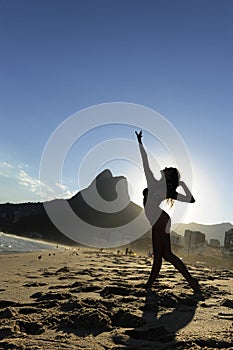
(206, 196)
(204, 190)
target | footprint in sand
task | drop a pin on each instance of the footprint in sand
(228, 303)
(125, 319)
(151, 334)
(32, 328)
(35, 284)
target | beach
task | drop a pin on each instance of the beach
(95, 299)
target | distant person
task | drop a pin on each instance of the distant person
(154, 194)
(126, 251)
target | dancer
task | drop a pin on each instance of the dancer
(154, 194)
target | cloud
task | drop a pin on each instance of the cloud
(19, 174)
(7, 165)
(62, 187)
(64, 191)
(38, 187)
(34, 185)
(6, 169)
(28, 181)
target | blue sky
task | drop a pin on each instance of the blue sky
(61, 56)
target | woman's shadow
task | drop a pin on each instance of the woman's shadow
(164, 314)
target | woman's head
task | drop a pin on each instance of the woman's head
(172, 176)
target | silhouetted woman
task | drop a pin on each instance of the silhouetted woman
(154, 194)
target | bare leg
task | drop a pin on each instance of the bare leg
(155, 270)
(158, 240)
(178, 264)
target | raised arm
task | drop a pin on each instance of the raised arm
(148, 173)
(187, 197)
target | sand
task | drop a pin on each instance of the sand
(88, 299)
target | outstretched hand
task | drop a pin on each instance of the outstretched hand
(139, 136)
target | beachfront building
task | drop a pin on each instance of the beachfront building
(228, 242)
(177, 241)
(215, 243)
(194, 241)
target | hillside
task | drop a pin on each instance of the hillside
(93, 225)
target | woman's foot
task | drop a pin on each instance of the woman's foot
(195, 286)
(148, 285)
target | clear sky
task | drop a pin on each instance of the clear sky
(61, 56)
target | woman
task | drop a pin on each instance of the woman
(154, 194)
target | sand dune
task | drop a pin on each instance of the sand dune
(88, 299)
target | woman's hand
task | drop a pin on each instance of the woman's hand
(139, 136)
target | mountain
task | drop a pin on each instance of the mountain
(99, 213)
(214, 231)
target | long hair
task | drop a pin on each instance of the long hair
(145, 195)
(172, 183)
